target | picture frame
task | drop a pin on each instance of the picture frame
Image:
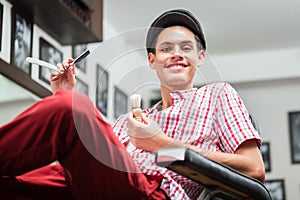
(48, 53)
(294, 130)
(102, 89)
(276, 188)
(1, 24)
(120, 102)
(21, 41)
(265, 152)
(154, 101)
(81, 87)
(76, 51)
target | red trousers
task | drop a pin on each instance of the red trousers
(93, 163)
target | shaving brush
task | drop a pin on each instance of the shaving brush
(135, 102)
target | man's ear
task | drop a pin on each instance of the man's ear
(201, 56)
(151, 59)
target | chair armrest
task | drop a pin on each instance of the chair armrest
(211, 174)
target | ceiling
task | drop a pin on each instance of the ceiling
(230, 26)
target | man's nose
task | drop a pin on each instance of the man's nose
(177, 53)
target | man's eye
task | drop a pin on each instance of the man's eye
(166, 49)
(187, 48)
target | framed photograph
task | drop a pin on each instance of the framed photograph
(21, 43)
(276, 188)
(294, 129)
(1, 24)
(154, 101)
(265, 152)
(102, 90)
(49, 54)
(120, 102)
(81, 87)
(76, 51)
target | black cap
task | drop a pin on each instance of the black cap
(172, 18)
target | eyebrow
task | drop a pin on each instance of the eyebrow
(165, 43)
(171, 43)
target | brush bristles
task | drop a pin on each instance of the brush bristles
(135, 100)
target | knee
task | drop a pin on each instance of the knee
(61, 100)
(68, 101)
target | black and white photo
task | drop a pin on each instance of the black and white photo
(1, 24)
(120, 102)
(81, 86)
(76, 51)
(294, 128)
(51, 55)
(276, 188)
(102, 90)
(265, 152)
(21, 42)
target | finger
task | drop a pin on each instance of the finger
(71, 77)
(132, 126)
(153, 128)
(73, 69)
(130, 116)
(70, 60)
(129, 120)
(65, 65)
(60, 67)
(133, 134)
(132, 122)
(129, 133)
(145, 119)
(129, 128)
(55, 76)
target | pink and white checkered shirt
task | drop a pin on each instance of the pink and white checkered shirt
(212, 117)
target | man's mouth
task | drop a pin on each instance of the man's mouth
(176, 67)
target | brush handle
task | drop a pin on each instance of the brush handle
(81, 57)
(137, 114)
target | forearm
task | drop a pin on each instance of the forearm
(249, 163)
(246, 159)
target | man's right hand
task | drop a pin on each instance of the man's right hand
(65, 81)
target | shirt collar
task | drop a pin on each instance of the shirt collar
(177, 96)
(181, 94)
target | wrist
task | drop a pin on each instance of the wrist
(204, 153)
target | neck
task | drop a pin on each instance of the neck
(166, 96)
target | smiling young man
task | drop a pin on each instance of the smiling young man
(103, 163)
(211, 120)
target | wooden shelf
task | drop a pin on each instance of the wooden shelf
(22, 79)
(59, 21)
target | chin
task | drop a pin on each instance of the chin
(180, 86)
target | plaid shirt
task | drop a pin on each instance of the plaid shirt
(212, 117)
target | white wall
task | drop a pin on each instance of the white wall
(12, 108)
(266, 64)
(270, 103)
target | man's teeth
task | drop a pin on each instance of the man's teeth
(176, 67)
